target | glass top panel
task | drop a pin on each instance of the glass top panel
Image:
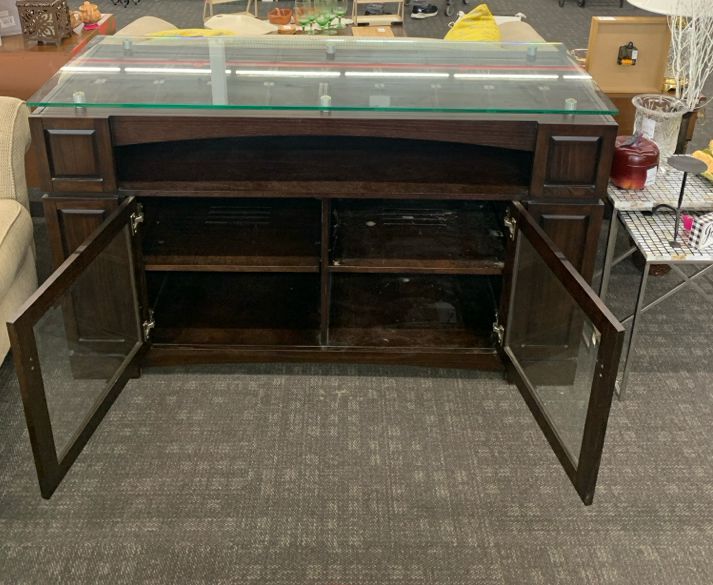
(325, 73)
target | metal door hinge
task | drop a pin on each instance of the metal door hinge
(148, 325)
(136, 218)
(510, 223)
(499, 332)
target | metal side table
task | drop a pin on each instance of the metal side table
(652, 235)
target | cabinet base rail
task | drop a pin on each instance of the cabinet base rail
(174, 355)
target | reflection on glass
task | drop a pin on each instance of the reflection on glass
(83, 340)
(470, 77)
(557, 349)
(304, 15)
(340, 9)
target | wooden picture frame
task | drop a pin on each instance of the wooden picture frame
(650, 35)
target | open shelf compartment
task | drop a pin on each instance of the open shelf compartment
(456, 237)
(243, 309)
(240, 235)
(325, 166)
(413, 311)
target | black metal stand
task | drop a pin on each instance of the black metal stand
(686, 164)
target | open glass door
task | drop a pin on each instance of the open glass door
(73, 357)
(564, 362)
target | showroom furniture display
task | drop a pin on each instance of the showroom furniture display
(145, 25)
(583, 3)
(26, 66)
(512, 28)
(651, 235)
(250, 8)
(18, 278)
(399, 201)
(393, 13)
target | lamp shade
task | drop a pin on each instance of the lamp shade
(675, 7)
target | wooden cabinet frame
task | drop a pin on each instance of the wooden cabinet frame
(551, 170)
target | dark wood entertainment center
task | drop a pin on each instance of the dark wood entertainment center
(448, 239)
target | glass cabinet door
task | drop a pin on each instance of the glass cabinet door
(563, 361)
(73, 359)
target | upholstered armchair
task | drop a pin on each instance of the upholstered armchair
(18, 276)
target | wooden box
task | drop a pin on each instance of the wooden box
(45, 21)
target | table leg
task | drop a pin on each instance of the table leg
(609, 255)
(634, 331)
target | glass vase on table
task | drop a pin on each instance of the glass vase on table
(658, 118)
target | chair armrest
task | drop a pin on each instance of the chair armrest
(14, 143)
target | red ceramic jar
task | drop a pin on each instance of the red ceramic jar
(636, 160)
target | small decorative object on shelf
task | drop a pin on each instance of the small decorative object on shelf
(280, 16)
(702, 232)
(628, 54)
(124, 3)
(90, 15)
(44, 21)
(636, 162)
(685, 164)
(75, 19)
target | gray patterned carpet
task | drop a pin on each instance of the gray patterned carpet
(344, 475)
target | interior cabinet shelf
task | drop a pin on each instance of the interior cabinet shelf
(425, 274)
(460, 237)
(232, 235)
(413, 311)
(264, 309)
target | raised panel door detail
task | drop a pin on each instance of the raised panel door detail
(74, 155)
(573, 160)
(574, 229)
(71, 220)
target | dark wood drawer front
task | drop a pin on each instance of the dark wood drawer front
(75, 156)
